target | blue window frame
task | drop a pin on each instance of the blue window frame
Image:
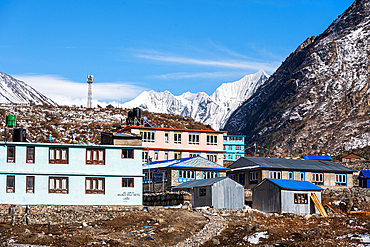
(275, 174)
(253, 177)
(317, 178)
(291, 175)
(186, 175)
(340, 179)
(302, 176)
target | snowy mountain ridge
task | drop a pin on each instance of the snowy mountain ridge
(213, 110)
(16, 91)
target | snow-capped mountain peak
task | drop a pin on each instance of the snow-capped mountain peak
(213, 110)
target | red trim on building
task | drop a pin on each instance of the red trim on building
(172, 129)
(183, 150)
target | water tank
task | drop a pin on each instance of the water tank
(19, 135)
(137, 112)
(130, 114)
(11, 120)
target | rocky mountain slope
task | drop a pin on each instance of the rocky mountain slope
(16, 91)
(318, 99)
(211, 110)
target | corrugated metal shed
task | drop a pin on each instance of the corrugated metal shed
(294, 184)
(191, 162)
(316, 157)
(288, 164)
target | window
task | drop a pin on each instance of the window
(275, 174)
(238, 147)
(238, 156)
(127, 153)
(291, 175)
(232, 176)
(177, 138)
(202, 191)
(30, 155)
(317, 178)
(211, 140)
(340, 180)
(186, 174)
(10, 184)
(225, 138)
(166, 156)
(145, 156)
(128, 182)
(95, 156)
(177, 155)
(95, 186)
(236, 138)
(58, 185)
(194, 139)
(58, 155)
(209, 174)
(241, 178)
(300, 198)
(302, 176)
(147, 136)
(30, 184)
(166, 137)
(194, 154)
(253, 177)
(212, 157)
(11, 154)
(230, 147)
(155, 155)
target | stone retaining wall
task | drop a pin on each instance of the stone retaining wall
(167, 199)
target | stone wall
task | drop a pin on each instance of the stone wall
(167, 199)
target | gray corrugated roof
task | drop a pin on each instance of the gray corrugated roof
(199, 183)
(289, 164)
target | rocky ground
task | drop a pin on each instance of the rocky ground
(164, 226)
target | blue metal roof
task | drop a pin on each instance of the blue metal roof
(365, 173)
(294, 184)
(316, 157)
(199, 183)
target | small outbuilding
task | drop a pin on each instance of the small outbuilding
(364, 179)
(285, 196)
(220, 192)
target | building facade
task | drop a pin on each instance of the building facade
(249, 171)
(171, 143)
(163, 175)
(70, 174)
(234, 147)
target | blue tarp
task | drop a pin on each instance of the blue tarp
(366, 173)
(316, 157)
(294, 184)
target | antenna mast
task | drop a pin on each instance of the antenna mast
(90, 79)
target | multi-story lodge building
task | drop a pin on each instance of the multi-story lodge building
(67, 174)
(234, 147)
(172, 143)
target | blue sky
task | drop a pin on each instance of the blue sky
(131, 46)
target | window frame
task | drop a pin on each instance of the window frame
(97, 190)
(253, 177)
(166, 137)
(274, 173)
(194, 139)
(292, 175)
(177, 155)
(127, 151)
(30, 160)
(320, 176)
(177, 138)
(202, 191)
(30, 189)
(127, 183)
(299, 200)
(212, 140)
(61, 160)
(210, 174)
(59, 190)
(8, 158)
(340, 183)
(92, 161)
(147, 136)
(8, 188)
(212, 157)
(304, 176)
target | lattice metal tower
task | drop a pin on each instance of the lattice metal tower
(90, 79)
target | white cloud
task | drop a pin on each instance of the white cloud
(269, 67)
(182, 75)
(67, 92)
